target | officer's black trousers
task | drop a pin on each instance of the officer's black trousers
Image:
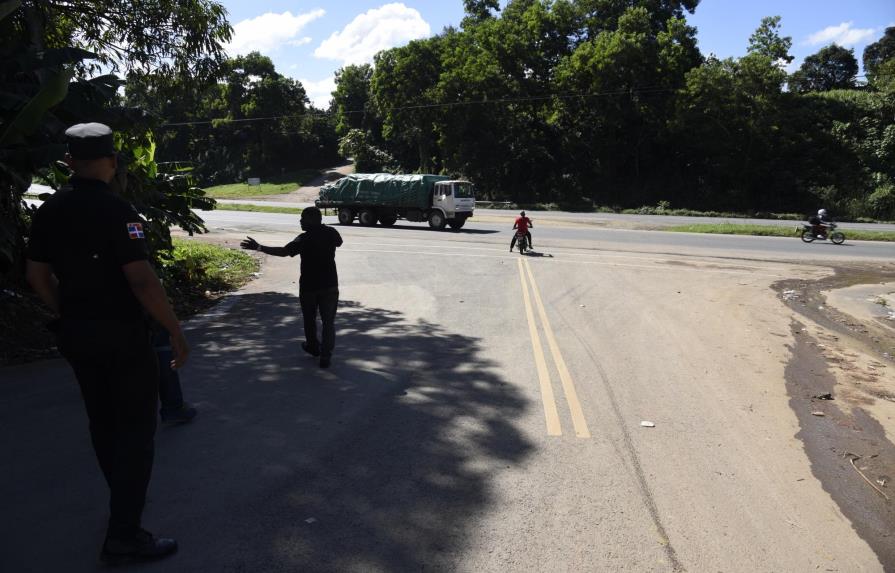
(117, 371)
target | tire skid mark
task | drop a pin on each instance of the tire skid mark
(631, 456)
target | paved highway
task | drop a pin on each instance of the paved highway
(556, 231)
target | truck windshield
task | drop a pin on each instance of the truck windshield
(464, 191)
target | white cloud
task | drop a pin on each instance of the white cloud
(300, 41)
(269, 32)
(320, 92)
(843, 34)
(385, 27)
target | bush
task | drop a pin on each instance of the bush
(196, 274)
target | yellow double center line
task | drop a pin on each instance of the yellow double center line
(550, 412)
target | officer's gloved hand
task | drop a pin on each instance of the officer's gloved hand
(249, 244)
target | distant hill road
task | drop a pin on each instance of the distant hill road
(309, 192)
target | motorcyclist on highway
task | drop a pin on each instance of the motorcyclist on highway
(821, 223)
(523, 224)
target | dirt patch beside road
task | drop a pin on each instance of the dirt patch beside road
(841, 381)
(309, 192)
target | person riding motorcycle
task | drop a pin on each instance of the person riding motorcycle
(820, 223)
(522, 223)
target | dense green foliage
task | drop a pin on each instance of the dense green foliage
(51, 51)
(195, 269)
(832, 68)
(253, 122)
(610, 102)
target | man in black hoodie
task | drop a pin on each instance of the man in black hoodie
(318, 286)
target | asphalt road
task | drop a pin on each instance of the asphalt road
(483, 413)
(555, 231)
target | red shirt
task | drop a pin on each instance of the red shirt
(522, 224)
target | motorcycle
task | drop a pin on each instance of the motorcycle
(522, 242)
(809, 234)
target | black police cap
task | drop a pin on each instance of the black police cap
(90, 141)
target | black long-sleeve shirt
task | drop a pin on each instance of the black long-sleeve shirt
(317, 248)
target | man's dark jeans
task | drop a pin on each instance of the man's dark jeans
(325, 301)
(170, 393)
(118, 375)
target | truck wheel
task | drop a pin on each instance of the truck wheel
(436, 220)
(457, 224)
(346, 216)
(367, 217)
(388, 220)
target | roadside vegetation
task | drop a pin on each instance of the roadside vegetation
(775, 231)
(258, 208)
(273, 186)
(198, 273)
(556, 103)
(195, 275)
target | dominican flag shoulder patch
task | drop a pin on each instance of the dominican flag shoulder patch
(135, 230)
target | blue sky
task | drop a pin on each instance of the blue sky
(309, 39)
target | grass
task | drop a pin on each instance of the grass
(212, 267)
(195, 278)
(271, 186)
(257, 208)
(775, 231)
(198, 273)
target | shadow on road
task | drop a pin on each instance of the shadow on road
(382, 462)
(379, 463)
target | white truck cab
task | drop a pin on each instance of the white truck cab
(456, 199)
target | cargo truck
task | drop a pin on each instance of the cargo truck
(385, 198)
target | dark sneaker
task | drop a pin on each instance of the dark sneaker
(143, 547)
(312, 351)
(184, 415)
(325, 362)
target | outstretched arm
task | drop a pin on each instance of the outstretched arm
(253, 245)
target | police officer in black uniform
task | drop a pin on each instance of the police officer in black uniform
(88, 260)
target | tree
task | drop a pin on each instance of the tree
(618, 154)
(767, 41)
(879, 59)
(252, 122)
(832, 68)
(351, 101)
(402, 87)
(47, 86)
(367, 157)
(479, 10)
(166, 37)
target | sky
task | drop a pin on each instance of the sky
(310, 39)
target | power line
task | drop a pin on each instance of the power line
(629, 91)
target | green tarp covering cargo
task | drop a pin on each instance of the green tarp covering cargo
(382, 189)
(385, 198)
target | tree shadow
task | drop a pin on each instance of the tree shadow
(378, 463)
